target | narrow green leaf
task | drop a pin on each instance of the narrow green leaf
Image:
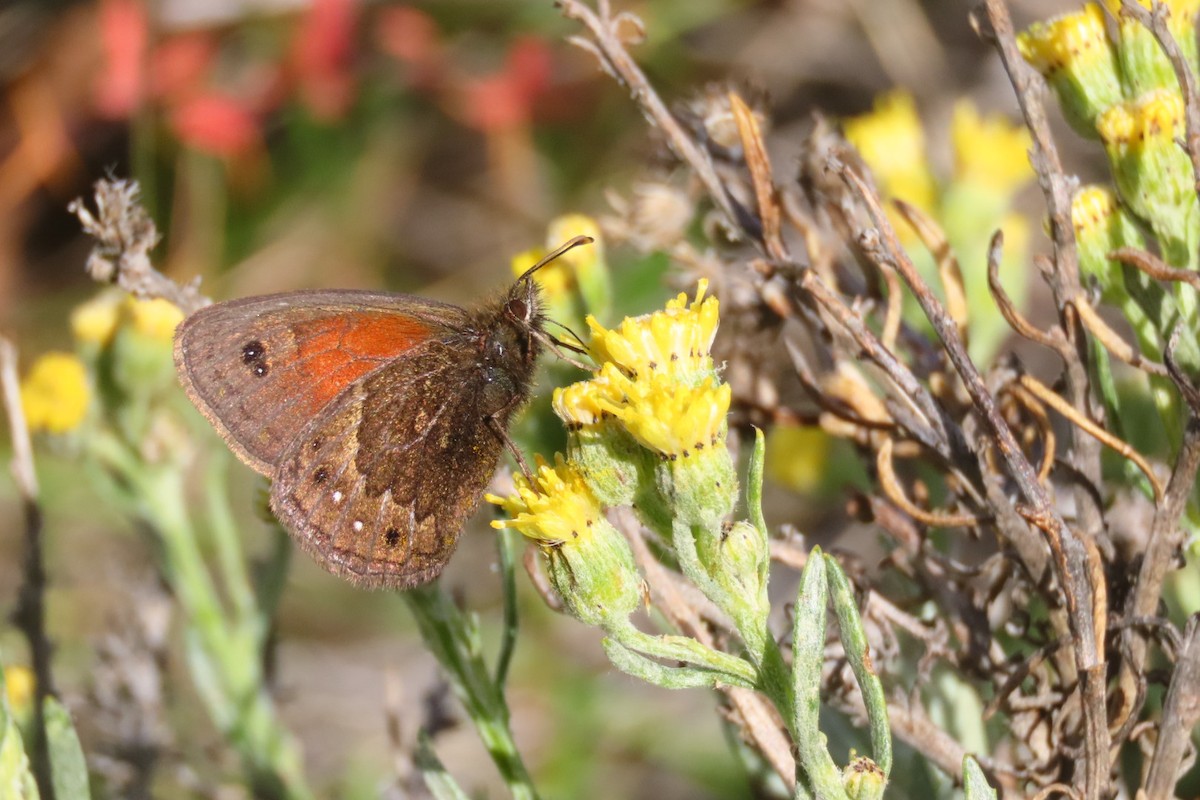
(975, 785)
(814, 765)
(858, 653)
(441, 784)
(68, 768)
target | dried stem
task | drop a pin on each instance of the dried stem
(29, 615)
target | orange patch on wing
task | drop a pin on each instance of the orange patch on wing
(333, 353)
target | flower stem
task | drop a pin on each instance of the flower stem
(452, 639)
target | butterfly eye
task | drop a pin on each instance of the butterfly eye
(518, 309)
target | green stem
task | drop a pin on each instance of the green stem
(737, 671)
(505, 546)
(450, 637)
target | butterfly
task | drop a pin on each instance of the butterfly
(379, 418)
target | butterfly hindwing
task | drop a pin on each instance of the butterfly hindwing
(379, 487)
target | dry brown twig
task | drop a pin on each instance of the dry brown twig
(29, 614)
(125, 234)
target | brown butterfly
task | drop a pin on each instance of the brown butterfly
(378, 417)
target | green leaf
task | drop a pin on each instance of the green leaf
(858, 653)
(814, 766)
(68, 768)
(975, 785)
(441, 784)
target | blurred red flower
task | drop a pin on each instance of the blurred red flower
(321, 57)
(124, 30)
(216, 124)
(506, 100)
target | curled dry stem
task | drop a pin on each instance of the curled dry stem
(1008, 309)
(1113, 342)
(1075, 417)
(890, 484)
(1045, 428)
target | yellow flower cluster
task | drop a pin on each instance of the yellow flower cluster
(55, 394)
(96, 321)
(891, 140)
(674, 342)
(556, 508)
(1147, 121)
(990, 151)
(657, 379)
(1067, 41)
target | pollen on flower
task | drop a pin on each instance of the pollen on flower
(95, 321)
(154, 318)
(557, 509)
(675, 341)
(578, 405)
(1067, 41)
(55, 393)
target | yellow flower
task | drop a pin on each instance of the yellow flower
(991, 152)
(95, 321)
(55, 393)
(19, 685)
(1073, 51)
(155, 318)
(1091, 208)
(663, 414)
(1144, 122)
(1069, 41)
(891, 140)
(797, 457)
(557, 509)
(674, 342)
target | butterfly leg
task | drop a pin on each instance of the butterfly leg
(502, 433)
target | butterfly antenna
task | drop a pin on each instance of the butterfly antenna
(570, 244)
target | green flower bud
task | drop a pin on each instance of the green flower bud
(1144, 65)
(1074, 54)
(1153, 174)
(589, 562)
(863, 779)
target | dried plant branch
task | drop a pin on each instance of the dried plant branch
(604, 30)
(29, 614)
(759, 165)
(890, 484)
(1113, 342)
(1181, 712)
(1154, 266)
(1077, 563)
(1052, 340)
(949, 271)
(1034, 407)
(125, 234)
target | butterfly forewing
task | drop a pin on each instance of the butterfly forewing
(260, 369)
(379, 489)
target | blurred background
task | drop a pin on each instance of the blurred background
(413, 147)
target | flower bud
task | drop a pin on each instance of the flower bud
(1074, 54)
